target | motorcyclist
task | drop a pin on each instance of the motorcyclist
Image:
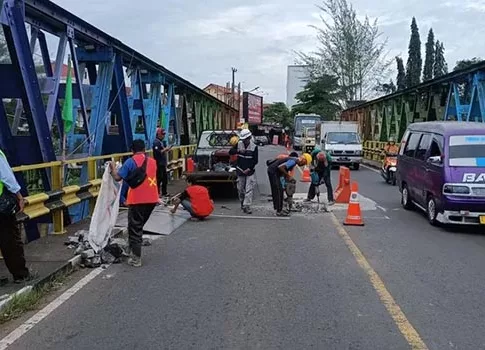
(390, 152)
(391, 147)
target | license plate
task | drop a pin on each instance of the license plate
(342, 159)
(482, 220)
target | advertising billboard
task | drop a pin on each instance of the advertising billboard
(252, 108)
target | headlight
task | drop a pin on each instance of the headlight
(455, 189)
(358, 153)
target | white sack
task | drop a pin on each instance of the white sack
(105, 212)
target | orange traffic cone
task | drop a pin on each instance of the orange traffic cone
(354, 216)
(305, 177)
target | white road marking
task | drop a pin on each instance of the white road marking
(46, 311)
(382, 208)
(370, 168)
(251, 217)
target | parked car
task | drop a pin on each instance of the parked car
(213, 164)
(441, 170)
(261, 140)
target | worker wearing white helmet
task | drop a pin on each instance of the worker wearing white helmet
(247, 158)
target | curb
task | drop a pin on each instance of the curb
(370, 164)
(66, 269)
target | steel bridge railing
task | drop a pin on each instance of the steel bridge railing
(63, 196)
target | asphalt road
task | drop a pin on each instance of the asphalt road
(298, 283)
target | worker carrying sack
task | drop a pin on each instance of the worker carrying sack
(137, 176)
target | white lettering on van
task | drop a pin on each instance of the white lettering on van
(470, 177)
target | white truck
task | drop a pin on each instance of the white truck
(342, 141)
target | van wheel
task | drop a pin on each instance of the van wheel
(356, 166)
(431, 211)
(406, 198)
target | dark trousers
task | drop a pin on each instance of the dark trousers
(162, 178)
(138, 215)
(276, 191)
(12, 247)
(325, 176)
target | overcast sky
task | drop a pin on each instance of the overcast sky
(202, 39)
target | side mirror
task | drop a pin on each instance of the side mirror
(434, 160)
(323, 141)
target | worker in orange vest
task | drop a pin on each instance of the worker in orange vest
(140, 173)
(195, 199)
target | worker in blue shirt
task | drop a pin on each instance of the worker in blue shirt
(11, 244)
(278, 170)
(160, 151)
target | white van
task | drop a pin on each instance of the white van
(342, 141)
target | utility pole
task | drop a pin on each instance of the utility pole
(233, 87)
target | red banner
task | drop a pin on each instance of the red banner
(255, 109)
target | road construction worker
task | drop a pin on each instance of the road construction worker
(278, 169)
(322, 170)
(160, 151)
(195, 199)
(291, 155)
(247, 159)
(11, 244)
(140, 172)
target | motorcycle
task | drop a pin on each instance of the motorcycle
(388, 170)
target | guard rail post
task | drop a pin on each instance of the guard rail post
(57, 176)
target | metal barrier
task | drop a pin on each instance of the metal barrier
(54, 202)
(373, 150)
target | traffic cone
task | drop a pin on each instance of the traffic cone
(305, 177)
(354, 216)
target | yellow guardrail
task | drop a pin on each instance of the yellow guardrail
(373, 150)
(62, 196)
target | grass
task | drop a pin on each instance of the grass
(29, 301)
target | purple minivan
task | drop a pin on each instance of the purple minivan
(441, 170)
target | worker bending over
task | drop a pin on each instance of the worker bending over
(278, 170)
(247, 159)
(321, 166)
(195, 199)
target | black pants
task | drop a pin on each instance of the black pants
(276, 191)
(138, 215)
(12, 247)
(162, 179)
(325, 176)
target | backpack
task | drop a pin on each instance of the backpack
(136, 177)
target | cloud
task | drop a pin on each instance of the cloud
(202, 40)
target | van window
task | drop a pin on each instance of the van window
(436, 148)
(403, 142)
(467, 150)
(412, 144)
(423, 146)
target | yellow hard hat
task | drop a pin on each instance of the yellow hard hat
(234, 140)
(307, 157)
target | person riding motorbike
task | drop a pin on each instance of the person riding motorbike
(390, 158)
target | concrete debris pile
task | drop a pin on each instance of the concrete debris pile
(113, 253)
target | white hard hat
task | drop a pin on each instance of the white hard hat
(245, 133)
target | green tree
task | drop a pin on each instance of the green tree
(386, 88)
(413, 66)
(350, 49)
(278, 113)
(462, 64)
(4, 54)
(401, 74)
(440, 66)
(320, 96)
(429, 60)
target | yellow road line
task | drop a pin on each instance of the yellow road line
(405, 327)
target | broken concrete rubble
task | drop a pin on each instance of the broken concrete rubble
(116, 249)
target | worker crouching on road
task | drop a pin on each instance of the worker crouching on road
(140, 173)
(247, 159)
(195, 199)
(279, 169)
(10, 237)
(322, 165)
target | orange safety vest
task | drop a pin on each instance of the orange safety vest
(281, 156)
(200, 200)
(147, 192)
